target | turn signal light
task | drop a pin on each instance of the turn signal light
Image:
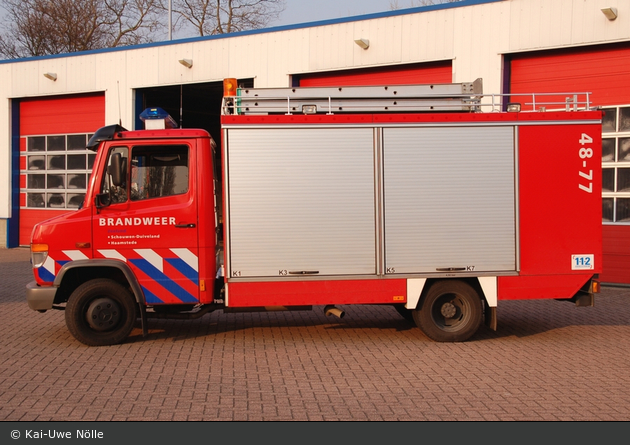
(39, 247)
(596, 287)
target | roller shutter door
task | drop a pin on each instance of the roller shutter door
(603, 71)
(434, 72)
(54, 165)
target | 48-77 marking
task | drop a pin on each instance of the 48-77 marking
(586, 153)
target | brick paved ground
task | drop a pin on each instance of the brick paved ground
(548, 361)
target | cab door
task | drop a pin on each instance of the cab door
(148, 219)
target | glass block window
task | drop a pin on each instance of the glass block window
(58, 169)
(616, 164)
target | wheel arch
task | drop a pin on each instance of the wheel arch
(75, 273)
(486, 287)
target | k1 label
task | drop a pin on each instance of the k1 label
(582, 262)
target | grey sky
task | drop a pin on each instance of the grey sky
(302, 11)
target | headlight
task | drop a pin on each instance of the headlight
(39, 253)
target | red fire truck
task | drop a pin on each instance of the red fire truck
(409, 196)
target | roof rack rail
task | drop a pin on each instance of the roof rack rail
(465, 97)
(355, 99)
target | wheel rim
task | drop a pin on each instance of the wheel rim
(450, 312)
(103, 314)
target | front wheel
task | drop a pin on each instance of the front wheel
(100, 312)
(451, 311)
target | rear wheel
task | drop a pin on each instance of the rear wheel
(451, 311)
(100, 312)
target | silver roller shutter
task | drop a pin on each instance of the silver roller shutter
(301, 200)
(449, 199)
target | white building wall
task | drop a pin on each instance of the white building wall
(473, 36)
(5, 151)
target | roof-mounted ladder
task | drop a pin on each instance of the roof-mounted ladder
(367, 99)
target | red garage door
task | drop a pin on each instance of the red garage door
(435, 72)
(603, 71)
(54, 164)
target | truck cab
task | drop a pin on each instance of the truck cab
(135, 242)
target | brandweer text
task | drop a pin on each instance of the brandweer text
(145, 221)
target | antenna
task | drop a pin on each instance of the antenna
(119, 112)
(181, 105)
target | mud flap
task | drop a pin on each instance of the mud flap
(490, 317)
(582, 299)
(585, 297)
(143, 319)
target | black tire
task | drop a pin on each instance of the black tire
(450, 311)
(405, 313)
(100, 312)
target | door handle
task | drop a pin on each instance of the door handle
(184, 226)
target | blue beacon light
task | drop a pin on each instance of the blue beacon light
(152, 117)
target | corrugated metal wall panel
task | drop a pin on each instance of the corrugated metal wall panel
(466, 218)
(81, 73)
(326, 49)
(537, 24)
(429, 38)
(542, 22)
(384, 42)
(326, 173)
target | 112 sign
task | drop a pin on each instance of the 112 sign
(582, 262)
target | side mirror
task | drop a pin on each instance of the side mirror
(115, 170)
(102, 200)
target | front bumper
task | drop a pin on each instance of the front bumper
(40, 298)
